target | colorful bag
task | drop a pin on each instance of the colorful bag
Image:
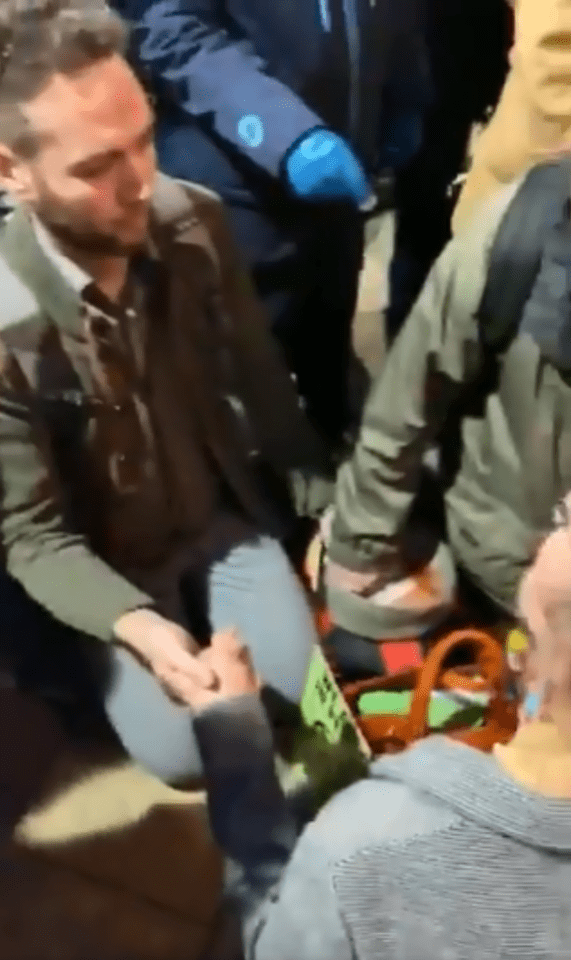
(486, 683)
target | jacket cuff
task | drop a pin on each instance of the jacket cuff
(283, 168)
(115, 598)
(234, 735)
(339, 577)
(120, 600)
(265, 135)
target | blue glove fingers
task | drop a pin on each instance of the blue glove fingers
(323, 167)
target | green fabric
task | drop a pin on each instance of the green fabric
(441, 710)
(327, 754)
(510, 476)
(322, 767)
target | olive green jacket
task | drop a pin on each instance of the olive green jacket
(69, 532)
(515, 459)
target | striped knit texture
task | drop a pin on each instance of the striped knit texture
(494, 885)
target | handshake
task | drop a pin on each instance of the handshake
(322, 167)
(190, 676)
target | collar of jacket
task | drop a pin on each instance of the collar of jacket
(174, 214)
(477, 787)
(25, 257)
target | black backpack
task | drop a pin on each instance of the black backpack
(540, 204)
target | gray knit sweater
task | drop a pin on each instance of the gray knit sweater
(438, 855)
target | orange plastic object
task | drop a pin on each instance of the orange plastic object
(323, 620)
(400, 655)
(389, 733)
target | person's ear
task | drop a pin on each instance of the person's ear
(15, 175)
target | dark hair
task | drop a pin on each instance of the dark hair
(39, 38)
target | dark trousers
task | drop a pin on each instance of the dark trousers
(305, 264)
(468, 44)
(423, 212)
(305, 260)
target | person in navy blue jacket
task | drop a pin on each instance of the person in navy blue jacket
(287, 109)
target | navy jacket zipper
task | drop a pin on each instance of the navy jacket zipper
(354, 49)
(325, 15)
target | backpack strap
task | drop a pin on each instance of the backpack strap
(538, 206)
(514, 264)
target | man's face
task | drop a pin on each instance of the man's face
(93, 176)
(542, 52)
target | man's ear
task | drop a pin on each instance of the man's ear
(15, 175)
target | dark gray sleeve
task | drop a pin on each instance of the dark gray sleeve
(286, 900)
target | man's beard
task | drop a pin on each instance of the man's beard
(90, 242)
(75, 233)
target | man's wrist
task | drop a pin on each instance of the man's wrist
(131, 625)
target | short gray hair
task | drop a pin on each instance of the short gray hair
(39, 38)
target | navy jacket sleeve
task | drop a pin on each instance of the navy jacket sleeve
(192, 59)
(248, 811)
(285, 897)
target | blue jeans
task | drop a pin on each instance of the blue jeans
(235, 577)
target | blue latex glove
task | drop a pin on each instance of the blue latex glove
(323, 167)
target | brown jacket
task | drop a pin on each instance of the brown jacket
(112, 457)
(533, 118)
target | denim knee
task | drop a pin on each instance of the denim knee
(156, 733)
(177, 763)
